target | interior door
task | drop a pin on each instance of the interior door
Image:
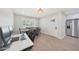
(51, 26)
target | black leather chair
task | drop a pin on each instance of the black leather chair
(5, 37)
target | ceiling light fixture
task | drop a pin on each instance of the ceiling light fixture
(40, 10)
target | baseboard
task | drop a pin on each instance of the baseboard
(53, 36)
(48, 34)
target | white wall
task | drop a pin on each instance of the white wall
(61, 25)
(23, 21)
(6, 17)
(49, 27)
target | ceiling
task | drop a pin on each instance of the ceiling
(46, 11)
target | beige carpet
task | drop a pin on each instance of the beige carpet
(48, 43)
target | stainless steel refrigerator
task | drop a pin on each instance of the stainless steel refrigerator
(72, 27)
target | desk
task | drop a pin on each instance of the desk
(32, 32)
(20, 44)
